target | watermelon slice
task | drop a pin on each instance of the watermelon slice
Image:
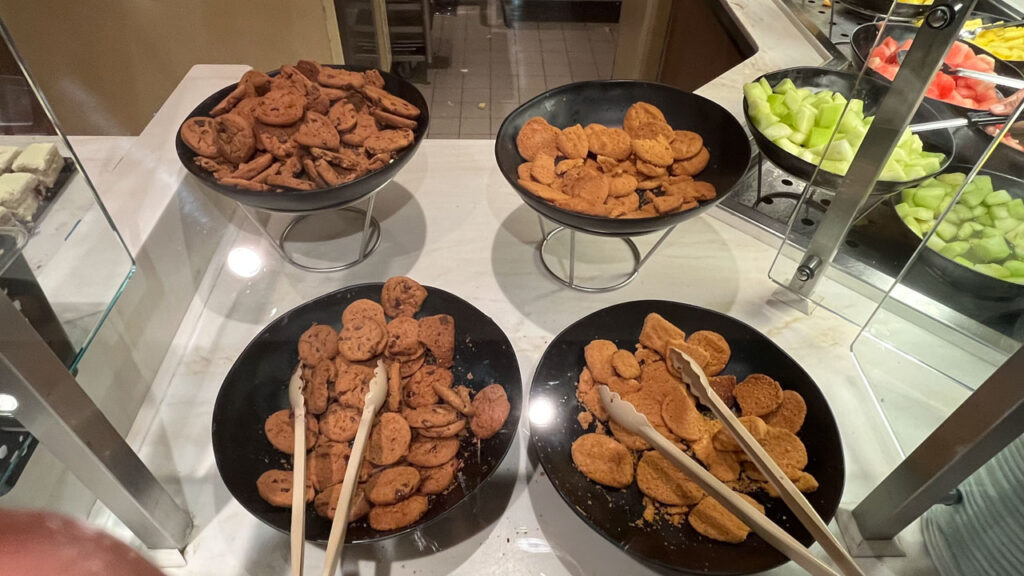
(958, 53)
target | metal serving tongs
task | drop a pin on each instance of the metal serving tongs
(996, 79)
(375, 397)
(623, 413)
(298, 530)
(979, 118)
(692, 374)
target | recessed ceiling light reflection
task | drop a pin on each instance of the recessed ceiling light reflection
(542, 412)
(533, 545)
(8, 404)
(244, 262)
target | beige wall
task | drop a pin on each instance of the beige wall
(107, 66)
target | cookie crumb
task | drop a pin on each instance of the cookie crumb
(585, 419)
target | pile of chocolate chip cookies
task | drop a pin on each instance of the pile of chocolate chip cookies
(308, 127)
(641, 170)
(642, 377)
(413, 451)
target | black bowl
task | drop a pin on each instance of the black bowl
(257, 386)
(863, 39)
(287, 200)
(961, 277)
(902, 11)
(869, 90)
(614, 513)
(605, 102)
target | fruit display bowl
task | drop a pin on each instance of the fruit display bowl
(964, 278)
(864, 37)
(872, 92)
(605, 102)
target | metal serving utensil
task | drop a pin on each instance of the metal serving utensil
(298, 530)
(625, 414)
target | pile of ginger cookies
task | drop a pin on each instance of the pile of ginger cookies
(414, 448)
(615, 458)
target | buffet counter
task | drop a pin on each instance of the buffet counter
(450, 220)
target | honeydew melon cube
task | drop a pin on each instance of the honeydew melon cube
(1016, 208)
(803, 119)
(914, 225)
(893, 173)
(921, 213)
(963, 213)
(840, 150)
(926, 225)
(797, 137)
(946, 231)
(951, 217)
(954, 179)
(776, 106)
(818, 137)
(990, 232)
(851, 123)
(973, 194)
(753, 91)
(1016, 279)
(763, 121)
(963, 261)
(936, 243)
(1004, 225)
(808, 156)
(839, 98)
(907, 196)
(1016, 267)
(993, 270)
(914, 172)
(965, 231)
(977, 211)
(777, 131)
(929, 197)
(788, 145)
(1018, 250)
(765, 85)
(793, 100)
(996, 198)
(898, 155)
(803, 92)
(784, 86)
(954, 249)
(817, 150)
(829, 114)
(1016, 235)
(835, 166)
(990, 249)
(903, 209)
(999, 211)
(985, 220)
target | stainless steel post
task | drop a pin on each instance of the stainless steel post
(55, 409)
(938, 32)
(986, 422)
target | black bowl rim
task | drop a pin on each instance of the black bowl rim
(602, 219)
(533, 438)
(893, 187)
(414, 526)
(903, 12)
(288, 192)
(906, 26)
(966, 169)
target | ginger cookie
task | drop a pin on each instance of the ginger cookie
(409, 367)
(524, 171)
(419, 390)
(280, 108)
(657, 332)
(198, 134)
(691, 166)
(536, 137)
(350, 376)
(335, 78)
(389, 439)
(389, 141)
(318, 343)
(446, 431)
(343, 115)
(437, 479)
(492, 407)
(394, 400)
(431, 416)
(598, 355)
(627, 438)
(572, 142)
(543, 168)
(696, 353)
(725, 441)
(638, 114)
(625, 364)
(454, 398)
(790, 414)
(653, 130)
(251, 169)
(723, 385)
(660, 480)
(650, 170)
(317, 387)
(339, 423)
(614, 143)
(682, 417)
(591, 186)
(393, 485)
(276, 139)
(758, 395)
(363, 309)
(373, 78)
(717, 349)
(280, 430)
(587, 394)
(395, 121)
(567, 164)
(361, 340)
(603, 460)
(685, 144)
(542, 191)
(354, 398)
(431, 452)
(398, 515)
(327, 464)
(317, 130)
(653, 150)
(786, 450)
(723, 465)
(275, 486)
(391, 103)
(327, 501)
(402, 296)
(437, 333)
(235, 139)
(649, 404)
(623, 205)
(711, 519)
(403, 337)
(365, 127)
(622, 185)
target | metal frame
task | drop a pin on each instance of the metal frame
(55, 409)
(369, 241)
(638, 261)
(987, 421)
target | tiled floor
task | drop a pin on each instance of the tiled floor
(485, 70)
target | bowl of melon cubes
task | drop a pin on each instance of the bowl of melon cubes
(979, 245)
(792, 114)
